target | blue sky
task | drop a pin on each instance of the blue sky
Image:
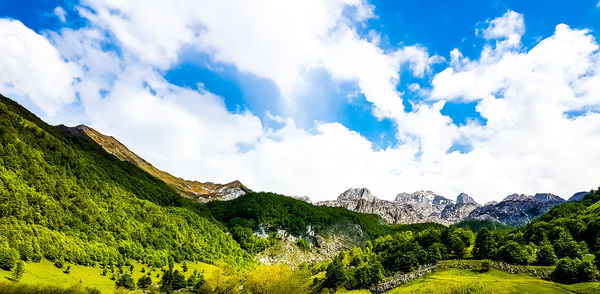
(407, 42)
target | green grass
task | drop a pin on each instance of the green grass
(45, 273)
(457, 280)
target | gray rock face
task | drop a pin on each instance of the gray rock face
(464, 198)
(517, 210)
(577, 196)
(458, 212)
(356, 195)
(418, 207)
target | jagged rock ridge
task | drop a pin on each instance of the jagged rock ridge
(202, 192)
(517, 209)
(418, 207)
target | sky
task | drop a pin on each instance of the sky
(313, 97)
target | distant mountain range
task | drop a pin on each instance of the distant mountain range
(427, 206)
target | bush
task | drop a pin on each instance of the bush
(303, 244)
(486, 265)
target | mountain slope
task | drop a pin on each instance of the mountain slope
(191, 189)
(65, 198)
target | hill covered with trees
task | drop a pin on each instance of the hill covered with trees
(67, 200)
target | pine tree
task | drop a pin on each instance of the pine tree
(18, 271)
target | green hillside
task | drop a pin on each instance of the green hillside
(67, 200)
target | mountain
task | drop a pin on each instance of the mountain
(64, 198)
(460, 211)
(427, 202)
(578, 196)
(463, 198)
(418, 207)
(202, 192)
(517, 209)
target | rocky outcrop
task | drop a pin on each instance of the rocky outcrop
(517, 209)
(427, 202)
(463, 198)
(361, 200)
(322, 246)
(417, 207)
(202, 192)
(458, 212)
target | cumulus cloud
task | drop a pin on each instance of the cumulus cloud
(508, 29)
(60, 13)
(278, 40)
(32, 68)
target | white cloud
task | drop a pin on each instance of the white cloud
(278, 40)
(528, 144)
(508, 28)
(60, 13)
(33, 68)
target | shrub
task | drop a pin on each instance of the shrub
(486, 265)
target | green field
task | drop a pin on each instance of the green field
(493, 281)
(45, 273)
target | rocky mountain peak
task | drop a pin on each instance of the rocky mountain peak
(547, 197)
(355, 194)
(422, 197)
(463, 198)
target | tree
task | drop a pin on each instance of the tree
(144, 282)
(334, 275)
(184, 267)
(458, 246)
(546, 255)
(484, 244)
(565, 246)
(565, 271)
(586, 271)
(7, 258)
(172, 280)
(435, 253)
(18, 271)
(126, 281)
(512, 252)
(466, 235)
